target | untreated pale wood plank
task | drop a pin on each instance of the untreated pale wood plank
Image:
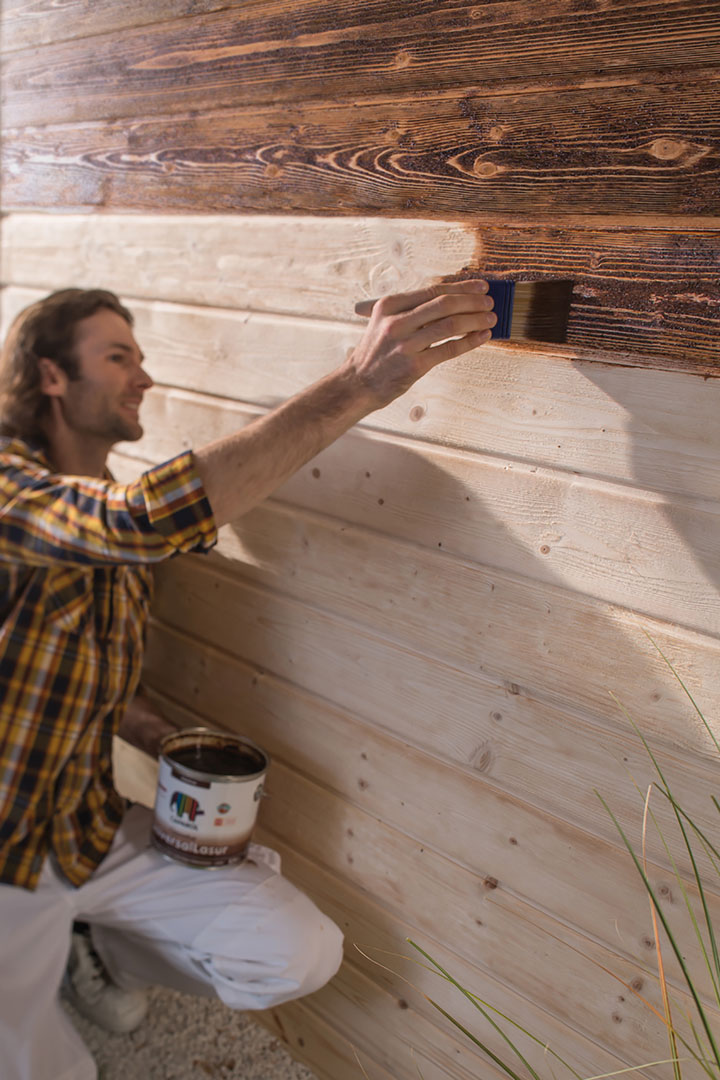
(405, 1042)
(554, 700)
(375, 943)
(308, 266)
(314, 1041)
(647, 149)
(608, 421)
(430, 892)
(645, 551)
(292, 51)
(498, 837)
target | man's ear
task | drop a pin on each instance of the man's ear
(53, 380)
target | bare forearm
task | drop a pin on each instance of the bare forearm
(241, 470)
(406, 337)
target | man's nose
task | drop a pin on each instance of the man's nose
(143, 380)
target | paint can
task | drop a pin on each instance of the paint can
(209, 788)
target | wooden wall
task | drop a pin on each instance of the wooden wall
(424, 626)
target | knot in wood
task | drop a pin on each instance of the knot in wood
(485, 169)
(482, 758)
(667, 149)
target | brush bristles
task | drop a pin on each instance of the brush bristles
(541, 310)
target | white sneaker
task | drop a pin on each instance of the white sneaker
(88, 986)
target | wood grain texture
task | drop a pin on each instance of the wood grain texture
(597, 419)
(642, 297)
(535, 649)
(28, 24)
(455, 807)
(419, 884)
(647, 149)
(482, 919)
(289, 51)
(405, 1041)
(381, 955)
(625, 546)
(485, 733)
(307, 266)
(314, 1041)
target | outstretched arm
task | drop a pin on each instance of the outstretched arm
(406, 337)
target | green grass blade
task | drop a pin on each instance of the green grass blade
(486, 1049)
(481, 1006)
(691, 699)
(714, 975)
(715, 978)
(673, 943)
(709, 846)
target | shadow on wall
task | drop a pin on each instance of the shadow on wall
(396, 608)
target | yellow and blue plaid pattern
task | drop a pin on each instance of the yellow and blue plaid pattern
(75, 590)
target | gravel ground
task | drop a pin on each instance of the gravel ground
(189, 1038)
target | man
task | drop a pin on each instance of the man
(75, 551)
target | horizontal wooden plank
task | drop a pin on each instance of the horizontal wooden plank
(335, 898)
(406, 1043)
(535, 641)
(554, 702)
(474, 824)
(517, 941)
(317, 267)
(317, 1044)
(622, 545)
(613, 422)
(31, 23)
(640, 150)
(375, 943)
(289, 52)
(641, 296)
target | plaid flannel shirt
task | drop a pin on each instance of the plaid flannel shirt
(75, 589)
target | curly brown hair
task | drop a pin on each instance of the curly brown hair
(44, 329)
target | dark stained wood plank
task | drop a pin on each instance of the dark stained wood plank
(293, 50)
(643, 297)
(29, 23)
(645, 150)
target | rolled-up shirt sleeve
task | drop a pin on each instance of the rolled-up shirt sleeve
(46, 518)
(174, 500)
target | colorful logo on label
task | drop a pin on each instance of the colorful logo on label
(224, 808)
(185, 805)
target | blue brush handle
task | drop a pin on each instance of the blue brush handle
(503, 294)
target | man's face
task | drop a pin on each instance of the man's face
(105, 400)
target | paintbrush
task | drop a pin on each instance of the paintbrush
(531, 310)
(526, 310)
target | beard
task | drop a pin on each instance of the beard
(90, 416)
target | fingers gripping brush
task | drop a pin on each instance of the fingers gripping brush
(525, 310)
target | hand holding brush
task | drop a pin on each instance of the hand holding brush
(525, 310)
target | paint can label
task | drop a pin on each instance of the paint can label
(208, 794)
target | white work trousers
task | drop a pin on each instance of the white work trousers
(243, 934)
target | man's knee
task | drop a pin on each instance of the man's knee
(320, 956)
(293, 950)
